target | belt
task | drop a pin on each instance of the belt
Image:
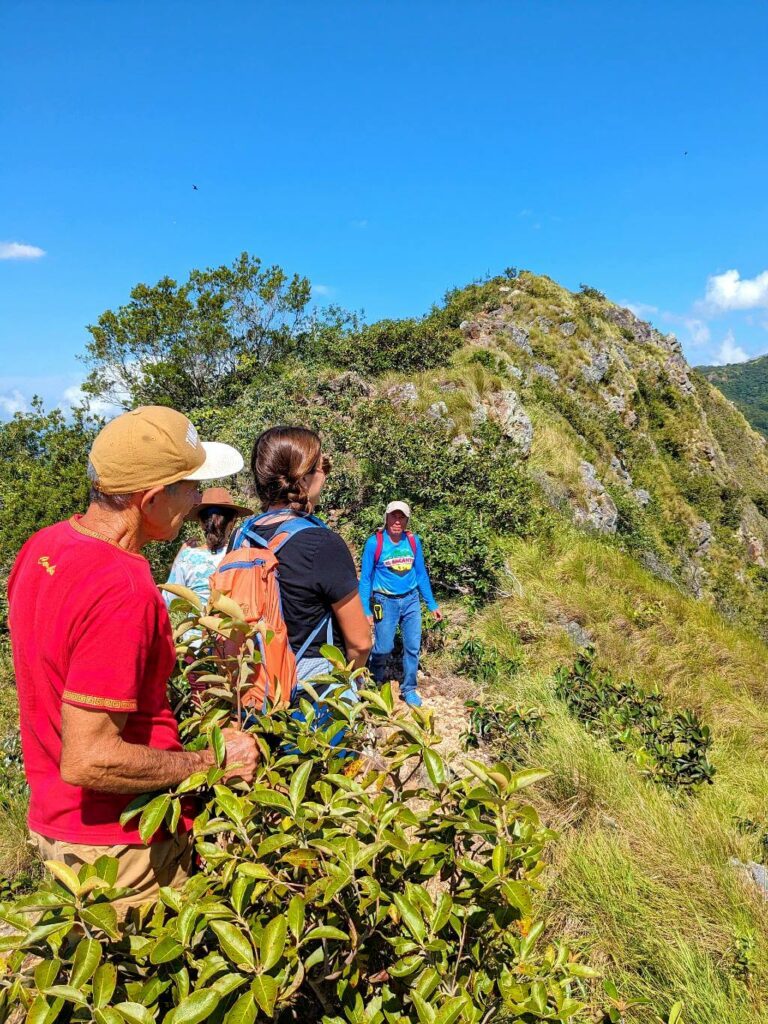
(397, 597)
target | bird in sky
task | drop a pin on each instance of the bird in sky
(195, 188)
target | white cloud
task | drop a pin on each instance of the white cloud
(361, 225)
(730, 352)
(732, 291)
(20, 251)
(13, 402)
(75, 395)
(322, 290)
(698, 331)
(640, 309)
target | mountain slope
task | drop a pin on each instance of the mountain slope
(746, 385)
(574, 482)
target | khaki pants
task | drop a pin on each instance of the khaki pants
(141, 868)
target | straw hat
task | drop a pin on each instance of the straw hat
(218, 497)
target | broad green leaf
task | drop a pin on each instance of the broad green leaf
(186, 922)
(676, 1014)
(46, 973)
(411, 916)
(426, 1012)
(153, 815)
(250, 869)
(229, 803)
(334, 655)
(184, 593)
(86, 959)
(102, 916)
(244, 1011)
(236, 945)
(325, 931)
(107, 868)
(65, 875)
(228, 983)
(298, 787)
(226, 605)
(104, 982)
(194, 1008)
(527, 777)
(450, 1010)
(270, 798)
(135, 807)
(218, 745)
(107, 1015)
(135, 1013)
(272, 942)
(166, 950)
(296, 911)
(194, 781)
(435, 766)
(264, 990)
(43, 1012)
(442, 913)
(68, 992)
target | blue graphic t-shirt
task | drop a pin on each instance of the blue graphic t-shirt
(397, 572)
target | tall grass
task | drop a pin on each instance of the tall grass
(640, 876)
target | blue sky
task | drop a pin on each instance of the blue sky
(386, 150)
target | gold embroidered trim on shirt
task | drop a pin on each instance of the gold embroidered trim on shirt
(99, 702)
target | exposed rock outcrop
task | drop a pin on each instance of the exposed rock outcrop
(600, 512)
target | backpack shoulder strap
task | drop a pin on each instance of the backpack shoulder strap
(379, 547)
(411, 541)
(290, 528)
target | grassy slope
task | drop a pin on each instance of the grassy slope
(746, 384)
(641, 878)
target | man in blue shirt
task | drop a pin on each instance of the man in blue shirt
(392, 577)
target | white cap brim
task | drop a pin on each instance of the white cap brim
(399, 506)
(220, 460)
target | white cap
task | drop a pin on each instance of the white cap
(220, 460)
(398, 506)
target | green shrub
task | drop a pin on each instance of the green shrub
(485, 663)
(507, 727)
(670, 748)
(323, 896)
(407, 346)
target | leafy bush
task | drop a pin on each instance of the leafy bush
(485, 663)
(323, 896)
(670, 748)
(504, 726)
(407, 346)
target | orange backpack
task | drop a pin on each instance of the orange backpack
(248, 574)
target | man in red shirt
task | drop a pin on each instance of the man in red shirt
(93, 650)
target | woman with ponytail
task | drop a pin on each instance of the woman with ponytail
(318, 581)
(196, 562)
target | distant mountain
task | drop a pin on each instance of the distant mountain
(746, 384)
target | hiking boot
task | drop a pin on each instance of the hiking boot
(412, 699)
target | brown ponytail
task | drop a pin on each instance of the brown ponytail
(281, 457)
(214, 522)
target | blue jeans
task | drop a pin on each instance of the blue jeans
(405, 612)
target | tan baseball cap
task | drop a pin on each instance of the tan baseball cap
(152, 446)
(398, 506)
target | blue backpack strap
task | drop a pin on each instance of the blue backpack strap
(327, 621)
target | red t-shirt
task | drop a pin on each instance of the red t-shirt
(89, 628)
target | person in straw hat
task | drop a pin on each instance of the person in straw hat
(195, 563)
(93, 650)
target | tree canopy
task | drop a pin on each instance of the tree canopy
(188, 345)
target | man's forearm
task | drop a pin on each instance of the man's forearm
(121, 767)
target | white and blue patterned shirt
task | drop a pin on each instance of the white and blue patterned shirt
(193, 567)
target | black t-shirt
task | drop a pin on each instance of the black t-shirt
(316, 570)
